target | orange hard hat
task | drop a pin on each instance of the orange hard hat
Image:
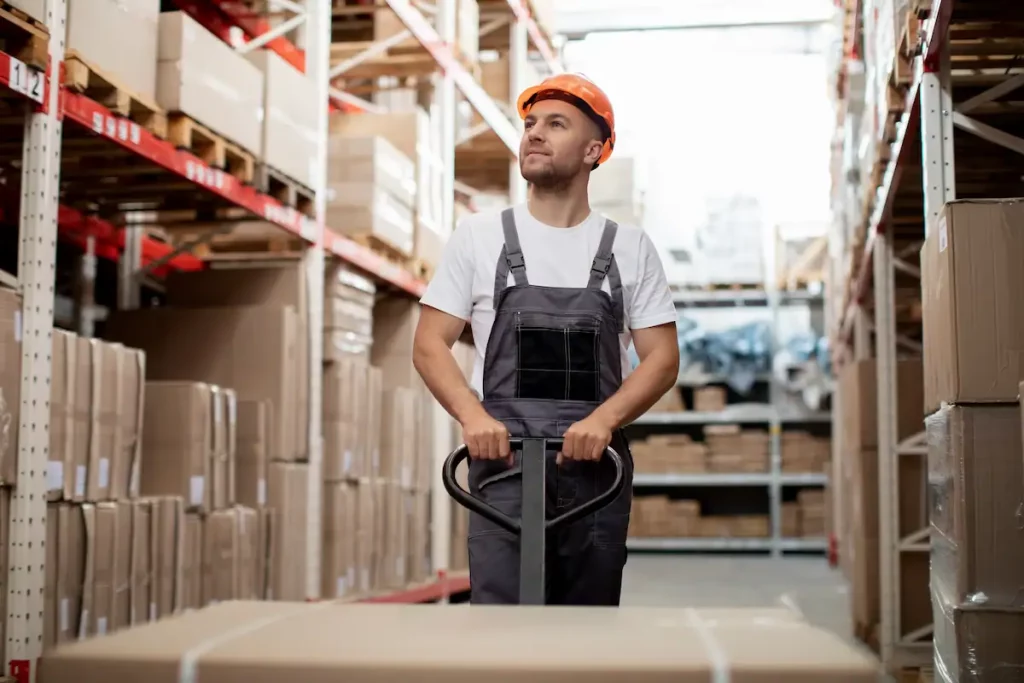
(585, 95)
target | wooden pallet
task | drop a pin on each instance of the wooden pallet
(727, 286)
(420, 269)
(285, 190)
(24, 37)
(213, 149)
(108, 90)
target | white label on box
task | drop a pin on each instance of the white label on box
(101, 626)
(17, 326)
(65, 619)
(340, 587)
(54, 475)
(196, 488)
(152, 611)
(943, 235)
(261, 492)
(232, 409)
(346, 461)
(80, 472)
(104, 477)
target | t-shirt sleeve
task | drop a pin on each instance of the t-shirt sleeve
(451, 288)
(651, 303)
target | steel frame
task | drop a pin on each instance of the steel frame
(26, 546)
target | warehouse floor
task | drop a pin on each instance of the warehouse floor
(806, 584)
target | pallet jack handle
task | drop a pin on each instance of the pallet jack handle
(533, 526)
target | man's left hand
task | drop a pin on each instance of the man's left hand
(586, 440)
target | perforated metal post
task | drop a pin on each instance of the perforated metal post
(40, 180)
(316, 36)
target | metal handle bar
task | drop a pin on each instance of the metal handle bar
(471, 502)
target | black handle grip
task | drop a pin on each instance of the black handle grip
(471, 502)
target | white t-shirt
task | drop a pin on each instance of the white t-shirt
(463, 285)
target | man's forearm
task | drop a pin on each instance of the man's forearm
(443, 377)
(651, 379)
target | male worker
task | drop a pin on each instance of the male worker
(554, 293)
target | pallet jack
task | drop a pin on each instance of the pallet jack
(533, 525)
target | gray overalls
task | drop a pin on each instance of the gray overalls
(552, 357)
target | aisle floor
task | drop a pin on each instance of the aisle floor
(806, 584)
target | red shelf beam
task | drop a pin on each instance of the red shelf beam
(430, 592)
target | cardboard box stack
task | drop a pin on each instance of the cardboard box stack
(802, 452)
(132, 58)
(859, 539)
(669, 454)
(973, 333)
(381, 199)
(709, 399)
(733, 449)
(205, 79)
(812, 512)
(467, 30)
(664, 517)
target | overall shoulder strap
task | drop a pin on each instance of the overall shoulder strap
(511, 257)
(604, 265)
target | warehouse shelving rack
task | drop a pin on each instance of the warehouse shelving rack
(773, 416)
(54, 114)
(963, 66)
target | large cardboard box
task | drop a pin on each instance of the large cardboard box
(220, 559)
(130, 59)
(168, 541)
(192, 562)
(975, 472)
(977, 644)
(203, 77)
(365, 210)
(339, 529)
(34, 8)
(60, 470)
(288, 493)
(858, 389)
(267, 549)
(345, 398)
(289, 117)
(971, 290)
(251, 349)
(262, 285)
(361, 643)
(178, 442)
(10, 382)
(254, 421)
(372, 159)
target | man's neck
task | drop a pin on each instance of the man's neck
(559, 208)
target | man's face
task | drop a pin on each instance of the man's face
(559, 142)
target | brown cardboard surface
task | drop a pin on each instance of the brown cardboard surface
(253, 437)
(364, 643)
(262, 285)
(50, 623)
(398, 435)
(365, 526)
(251, 349)
(858, 384)
(176, 442)
(121, 613)
(132, 58)
(288, 492)
(105, 562)
(192, 562)
(90, 549)
(394, 324)
(10, 382)
(975, 472)
(220, 556)
(141, 572)
(971, 290)
(247, 522)
(981, 645)
(83, 423)
(218, 449)
(168, 545)
(125, 474)
(268, 544)
(346, 450)
(338, 526)
(105, 441)
(60, 469)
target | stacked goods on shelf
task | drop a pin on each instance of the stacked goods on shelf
(212, 86)
(244, 328)
(671, 402)
(387, 24)
(859, 538)
(664, 517)
(732, 449)
(132, 57)
(410, 133)
(494, 78)
(614, 192)
(729, 243)
(709, 399)
(811, 504)
(803, 452)
(372, 193)
(669, 454)
(973, 331)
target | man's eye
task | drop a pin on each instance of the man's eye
(557, 124)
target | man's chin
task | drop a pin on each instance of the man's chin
(537, 174)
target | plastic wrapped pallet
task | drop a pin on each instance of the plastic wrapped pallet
(975, 470)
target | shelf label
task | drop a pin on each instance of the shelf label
(287, 217)
(27, 80)
(199, 172)
(116, 128)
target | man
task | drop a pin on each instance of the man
(554, 293)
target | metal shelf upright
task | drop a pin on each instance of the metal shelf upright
(961, 71)
(40, 187)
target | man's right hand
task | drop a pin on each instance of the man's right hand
(486, 438)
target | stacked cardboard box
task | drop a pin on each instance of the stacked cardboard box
(709, 399)
(203, 77)
(348, 314)
(735, 526)
(412, 134)
(669, 454)
(812, 512)
(132, 58)
(10, 391)
(733, 449)
(859, 537)
(467, 30)
(790, 520)
(973, 333)
(803, 452)
(664, 517)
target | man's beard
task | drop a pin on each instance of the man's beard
(548, 177)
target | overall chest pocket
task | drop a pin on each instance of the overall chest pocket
(558, 356)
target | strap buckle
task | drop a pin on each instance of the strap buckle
(515, 260)
(601, 265)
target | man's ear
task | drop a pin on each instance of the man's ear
(594, 150)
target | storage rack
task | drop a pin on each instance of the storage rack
(54, 114)
(961, 68)
(772, 415)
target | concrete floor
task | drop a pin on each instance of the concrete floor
(805, 584)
